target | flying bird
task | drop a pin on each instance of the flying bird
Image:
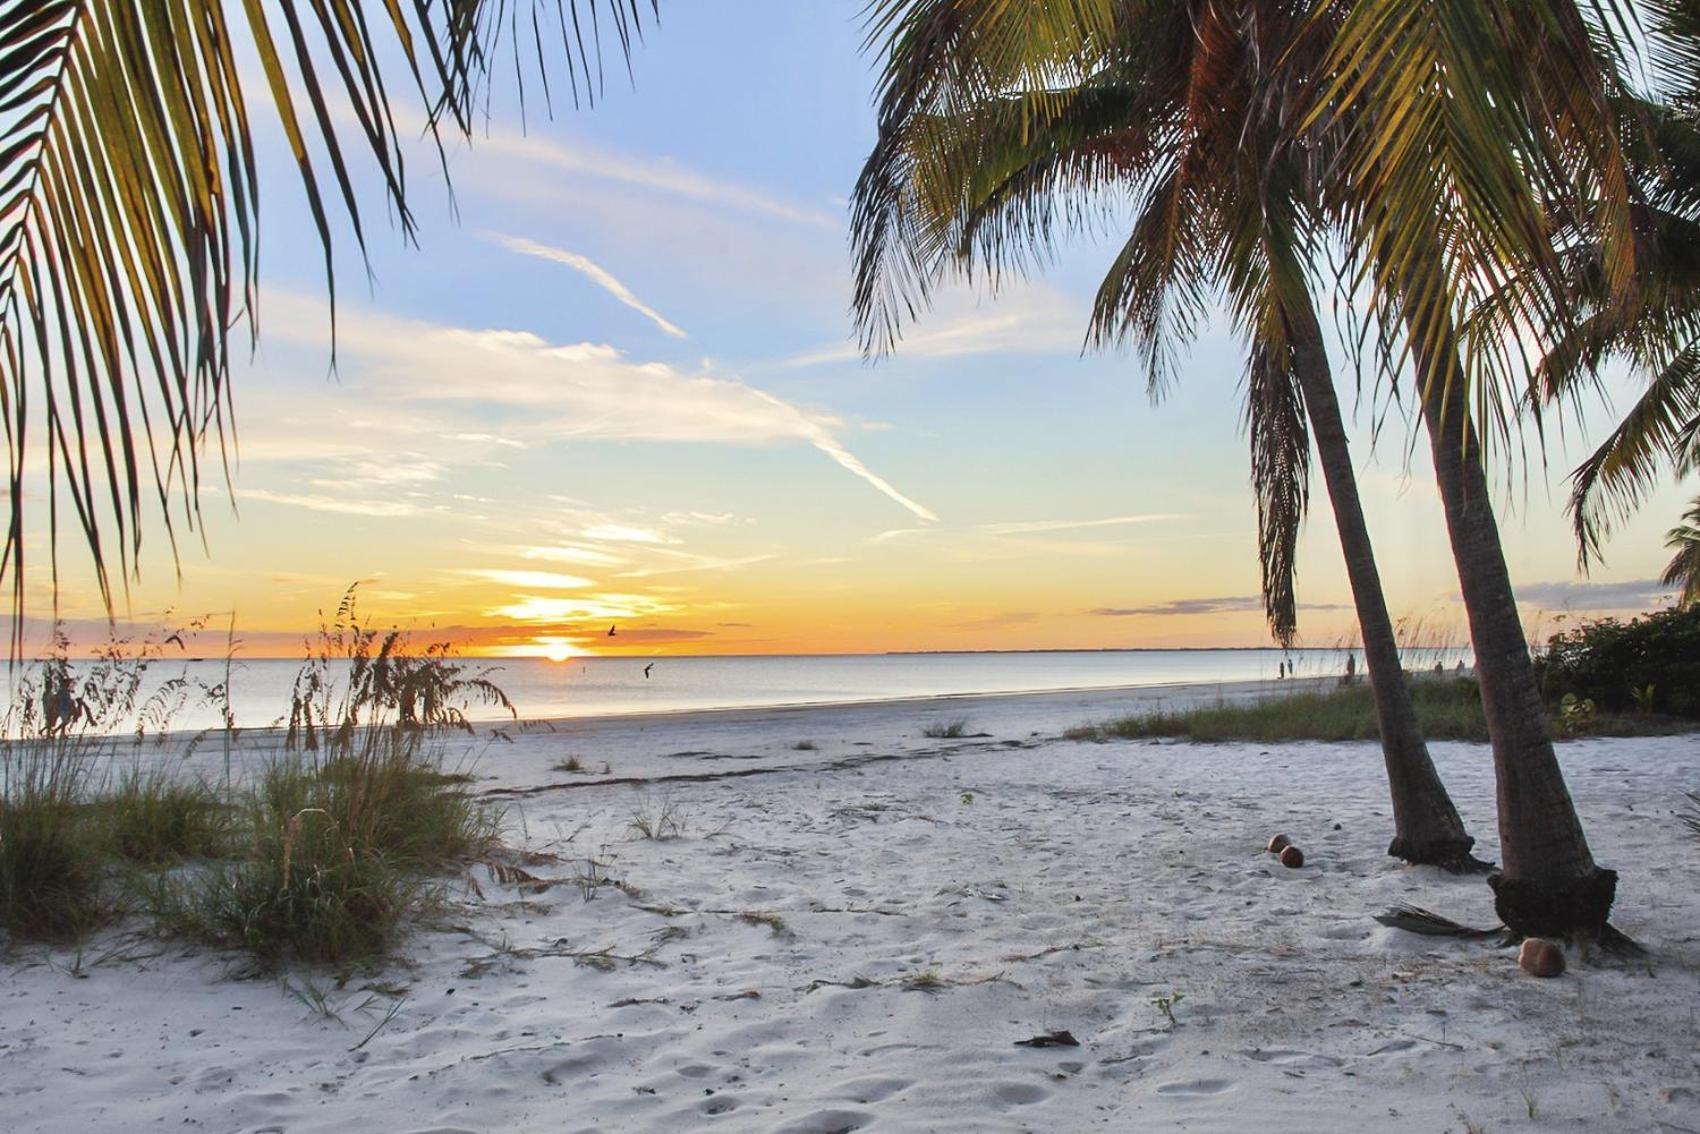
(647, 668)
(610, 631)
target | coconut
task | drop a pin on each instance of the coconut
(1292, 857)
(1279, 843)
(1540, 957)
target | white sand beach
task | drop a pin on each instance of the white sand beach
(854, 936)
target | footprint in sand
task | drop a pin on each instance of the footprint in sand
(719, 1104)
(1196, 1088)
(828, 1122)
(1295, 1060)
(1019, 1094)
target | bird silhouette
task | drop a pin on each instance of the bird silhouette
(647, 668)
(610, 631)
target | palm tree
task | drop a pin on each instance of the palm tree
(1684, 567)
(129, 210)
(1477, 130)
(1192, 110)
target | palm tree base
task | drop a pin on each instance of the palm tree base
(1575, 907)
(1451, 855)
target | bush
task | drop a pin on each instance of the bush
(1447, 709)
(155, 820)
(337, 854)
(1614, 663)
(50, 873)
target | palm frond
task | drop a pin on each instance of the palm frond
(129, 220)
(1615, 478)
(1684, 567)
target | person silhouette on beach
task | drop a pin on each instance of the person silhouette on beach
(60, 709)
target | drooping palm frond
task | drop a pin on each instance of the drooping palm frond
(1180, 116)
(129, 214)
(1684, 568)
(1475, 127)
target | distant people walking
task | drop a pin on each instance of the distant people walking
(1351, 669)
(60, 709)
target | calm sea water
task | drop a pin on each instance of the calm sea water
(614, 686)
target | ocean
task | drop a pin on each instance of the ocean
(587, 687)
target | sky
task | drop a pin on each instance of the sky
(616, 384)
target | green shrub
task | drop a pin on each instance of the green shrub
(1651, 664)
(50, 872)
(153, 819)
(1447, 709)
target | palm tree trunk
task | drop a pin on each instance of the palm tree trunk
(1426, 826)
(1548, 885)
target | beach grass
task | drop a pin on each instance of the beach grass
(325, 855)
(946, 730)
(1448, 708)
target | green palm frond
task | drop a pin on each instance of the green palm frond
(1684, 567)
(1179, 117)
(129, 213)
(1476, 127)
(1658, 429)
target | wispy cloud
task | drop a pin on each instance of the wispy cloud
(549, 391)
(1025, 527)
(344, 505)
(697, 563)
(1636, 595)
(590, 269)
(1027, 319)
(1224, 605)
(623, 533)
(660, 176)
(568, 553)
(538, 580)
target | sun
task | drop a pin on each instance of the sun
(551, 646)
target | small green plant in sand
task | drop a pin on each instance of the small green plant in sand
(571, 764)
(967, 798)
(946, 730)
(774, 923)
(660, 820)
(1166, 1003)
(928, 981)
(1575, 715)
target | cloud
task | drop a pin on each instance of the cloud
(666, 177)
(531, 608)
(1028, 527)
(697, 563)
(1025, 527)
(567, 553)
(1225, 605)
(347, 507)
(597, 274)
(540, 580)
(550, 392)
(1023, 319)
(1636, 595)
(621, 533)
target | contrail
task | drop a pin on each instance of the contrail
(588, 267)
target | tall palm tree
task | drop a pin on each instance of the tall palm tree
(1192, 109)
(129, 212)
(1476, 130)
